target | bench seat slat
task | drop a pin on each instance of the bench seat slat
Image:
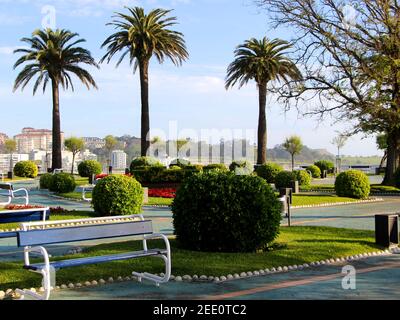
(28, 216)
(95, 260)
(4, 235)
(83, 233)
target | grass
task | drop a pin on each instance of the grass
(15, 179)
(306, 200)
(331, 187)
(296, 245)
(81, 181)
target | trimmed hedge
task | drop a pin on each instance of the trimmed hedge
(162, 175)
(45, 180)
(303, 178)
(216, 166)
(323, 165)
(243, 167)
(315, 171)
(353, 184)
(284, 179)
(62, 183)
(143, 162)
(269, 171)
(89, 167)
(116, 196)
(26, 169)
(223, 212)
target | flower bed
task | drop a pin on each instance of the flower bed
(162, 193)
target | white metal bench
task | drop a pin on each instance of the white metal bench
(50, 233)
(90, 188)
(7, 190)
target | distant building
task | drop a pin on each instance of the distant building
(35, 139)
(118, 159)
(5, 162)
(3, 138)
(94, 143)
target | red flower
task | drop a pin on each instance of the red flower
(13, 207)
(162, 193)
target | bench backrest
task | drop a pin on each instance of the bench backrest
(83, 233)
(6, 186)
(24, 216)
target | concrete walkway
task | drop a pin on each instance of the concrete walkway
(376, 278)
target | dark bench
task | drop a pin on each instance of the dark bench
(35, 240)
(7, 190)
(19, 216)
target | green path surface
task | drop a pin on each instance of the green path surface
(376, 278)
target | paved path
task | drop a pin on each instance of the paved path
(376, 278)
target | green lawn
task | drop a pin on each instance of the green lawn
(15, 179)
(296, 245)
(306, 200)
(331, 187)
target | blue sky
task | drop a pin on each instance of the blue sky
(192, 95)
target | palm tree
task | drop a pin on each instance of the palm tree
(263, 61)
(54, 56)
(141, 36)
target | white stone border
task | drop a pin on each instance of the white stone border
(334, 204)
(12, 294)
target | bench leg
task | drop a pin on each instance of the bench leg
(152, 277)
(46, 285)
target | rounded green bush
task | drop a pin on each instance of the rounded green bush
(284, 179)
(117, 195)
(242, 167)
(323, 165)
(223, 212)
(269, 171)
(62, 183)
(315, 171)
(216, 167)
(175, 168)
(89, 167)
(45, 180)
(353, 184)
(142, 162)
(26, 169)
(303, 177)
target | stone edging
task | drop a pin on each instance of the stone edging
(333, 204)
(11, 294)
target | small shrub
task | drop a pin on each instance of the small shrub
(223, 212)
(62, 183)
(175, 168)
(182, 163)
(26, 169)
(117, 195)
(315, 171)
(269, 171)
(285, 179)
(325, 165)
(303, 178)
(143, 162)
(353, 184)
(216, 166)
(243, 167)
(89, 167)
(45, 180)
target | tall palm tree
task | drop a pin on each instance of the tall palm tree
(262, 61)
(54, 56)
(141, 36)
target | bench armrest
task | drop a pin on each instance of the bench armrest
(40, 250)
(159, 236)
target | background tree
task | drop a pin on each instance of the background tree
(141, 36)
(350, 59)
(111, 145)
(53, 57)
(74, 145)
(263, 61)
(293, 145)
(340, 141)
(180, 143)
(381, 142)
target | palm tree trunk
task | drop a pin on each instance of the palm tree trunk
(292, 162)
(144, 86)
(392, 162)
(262, 124)
(56, 145)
